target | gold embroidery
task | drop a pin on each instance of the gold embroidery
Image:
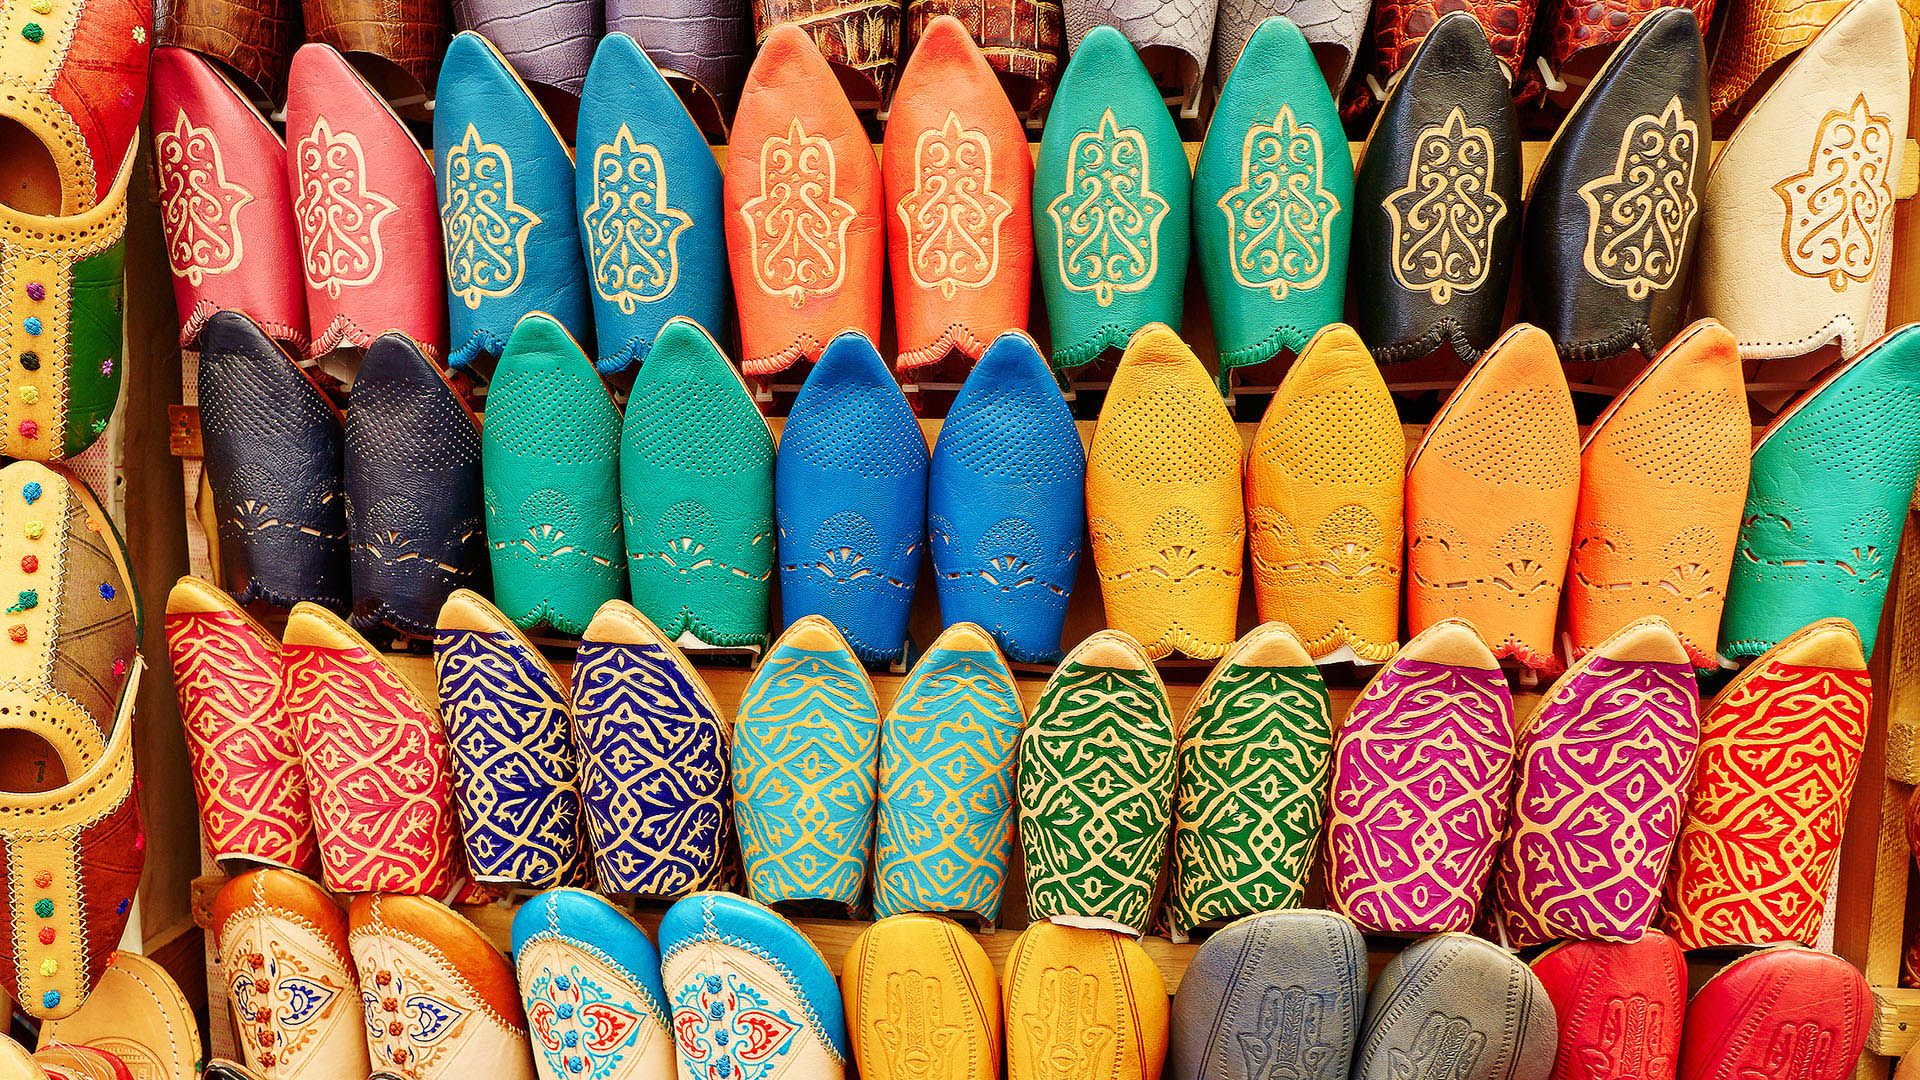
(486, 230)
(1109, 216)
(953, 215)
(797, 225)
(1837, 209)
(197, 203)
(1280, 217)
(1444, 217)
(1641, 212)
(632, 233)
(339, 217)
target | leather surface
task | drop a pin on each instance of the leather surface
(1062, 983)
(1326, 481)
(510, 735)
(1096, 785)
(273, 445)
(651, 224)
(858, 37)
(1334, 27)
(590, 980)
(415, 529)
(1282, 990)
(1183, 26)
(946, 781)
(1400, 26)
(74, 78)
(552, 490)
(1006, 502)
(1604, 765)
(1111, 191)
(696, 494)
(507, 213)
(850, 498)
(282, 946)
(1842, 104)
(653, 748)
(375, 755)
(806, 751)
(703, 42)
(1164, 505)
(549, 43)
(1254, 760)
(733, 967)
(1411, 836)
(227, 672)
(441, 1001)
(1613, 213)
(1761, 34)
(959, 184)
(1829, 485)
(1661, 473)
(363, 203)
(806, 232)
(61, 352)
(1779, 750)
(1789, 1008)
(410, 34)
(1274, 153)
(63, 1061)
(1021, 39)
(921, 998)
(255, 38)
(1459, 1005)
(139, 1016)
(1618, 1006)
(1437, 202)
(1570, 29)
(70, 833)
(1491, 494)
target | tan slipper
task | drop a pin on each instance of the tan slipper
(137, 1014)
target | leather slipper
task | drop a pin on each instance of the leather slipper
(549, 46)
(137, 1014)
(1021, 39)
(75, 77)
(282, 944)
(1270, 993)
(1400, 28)
(591, 982)
(922, 1000)
(61, 1061)
(1335, 28)
(410, 35)
(1460, 1005)
(701, 47)
(861, 40)
(1082, 998)
(1618, 1005)
(1787, 1008)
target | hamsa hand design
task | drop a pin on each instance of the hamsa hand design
(1109, 216)
(339, 217)
(1444, 215)
(952, 216)
(486, 230)
(797, 225)
(1280, 216)
(1642, 211)
(1837, 209)
(631, 230)
(198, 204)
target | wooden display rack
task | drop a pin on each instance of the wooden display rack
(1869, 921)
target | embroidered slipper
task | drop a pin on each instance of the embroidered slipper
(1779, 750)
(1618, 1005)
(922, 999)
(1006, 502)
(850, 500)
(1798, 1009)
(654, 769)
(861, 40)
(1083, 998)
(228, 674)
(696, 493)
(403, 37)
(1490, 500)
(1096, 779)
(225, 202)
(274, 445)
(1255, 756)
(1335, 28)
(375, 755)
(752, 997)
(1276, 991)
(74, 79)
(946, 781)
(137, 1014)
(799, 163)
(549, 46)
(1600, 793)
(1326, 483)
(63, 1062)
(591, 983)
(441, 1001)
(509, 728)
(1460, 1005)
(806, 750)
(700, 46)
(282, 944)
(552, 491)
(363, 204)
(1109, 141)
(1021, 40)
(1275, 129)
(70, 837)
(1164, 501)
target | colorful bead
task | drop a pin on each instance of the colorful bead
(30, 361)
(31, 491)
(122, 906)
(139, 35)
(33, 33)
(49, 966)
(43, 880)
(29, 428)
(29, 564)
(37, 292)
(107, 591)
(106, 366)
(43, 907)
(119, 667)
(50, 999)
(33, 529)
(99, 426)
(17, 633)
(47, 934)
(29, 599)
(32, 322)
(30, 394)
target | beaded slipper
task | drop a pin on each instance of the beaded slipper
(590, 979)
(282, 943)
(138, 1015)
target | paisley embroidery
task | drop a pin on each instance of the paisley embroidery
(1280, 217)
(486, 231)
(280, 1002)
(1837, 209)
(1641, 212)
(632, 231)
(797, 225)
(407, 1023)
(579, 1026)
(200, 206)
(1109, 215)
(953, 215)
(728, 1029)
(339, 217)
(1444, 217)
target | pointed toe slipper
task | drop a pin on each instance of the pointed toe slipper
(282, 942)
